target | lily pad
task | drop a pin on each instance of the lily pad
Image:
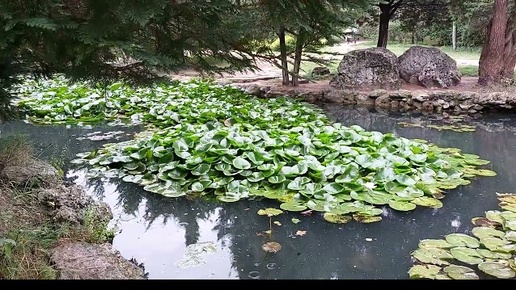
(429, 243)
(467, 255)
(432, 256)
(336, 218)
(402, 206)
(484, 222)
(424, 272)
(293, 206)
(462, 240)
(499, 270)
(366, 219)
(460, 272)
(270, 211)
(494, 255)
(428, 202)
(493, 243)
(485, 232)
(510, 236)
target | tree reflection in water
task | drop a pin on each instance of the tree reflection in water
(326, 251)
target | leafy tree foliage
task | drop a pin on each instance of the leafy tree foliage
(309, 22)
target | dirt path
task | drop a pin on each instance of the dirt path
(270, 71)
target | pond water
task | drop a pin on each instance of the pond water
(157, 231)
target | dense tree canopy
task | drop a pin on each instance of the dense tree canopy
(120, 38)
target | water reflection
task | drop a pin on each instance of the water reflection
(157, 230)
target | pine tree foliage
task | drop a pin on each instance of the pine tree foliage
(132, 39)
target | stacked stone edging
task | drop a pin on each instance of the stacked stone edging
(425, 101)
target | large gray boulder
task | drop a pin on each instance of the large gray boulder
(429, 67)
(370, 68)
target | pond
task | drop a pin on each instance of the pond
(195, 239)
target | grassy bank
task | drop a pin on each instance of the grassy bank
(27, 233)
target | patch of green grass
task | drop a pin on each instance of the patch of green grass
(469, 70)
(308, 66)
(94, 231)
(31, 236)
(15, 150)
(400, 48)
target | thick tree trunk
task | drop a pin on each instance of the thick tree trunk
(300, 42)
(491, 64)
(387, 11)
(383, 30)
(508, 70)
(283, 57)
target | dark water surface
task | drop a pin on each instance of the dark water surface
(156, 230)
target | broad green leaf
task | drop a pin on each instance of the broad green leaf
(429, 243)
(277, 179)
(241, 163)
(270, 211)
(500, 270)
(201, 169)
(424, 272)
(460, 272)
(337, 219)
(485, 232)
(402, 206)
(493, 255)
(462, 240)
(293, 206)
(466, 255)
(427, 201)
(432, 256)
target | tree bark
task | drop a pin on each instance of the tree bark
(300, 42)
(491, 64)
(283, 57)
(387, 11)
(383, 30)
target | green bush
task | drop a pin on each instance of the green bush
(290, 41)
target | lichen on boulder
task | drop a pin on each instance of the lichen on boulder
(429, 67)
(370, 68)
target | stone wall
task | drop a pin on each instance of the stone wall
(426, 101)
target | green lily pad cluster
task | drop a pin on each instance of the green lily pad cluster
(490, 248)
(56, 101)
(216, 141)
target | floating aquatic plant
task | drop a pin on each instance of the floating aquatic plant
(490, 248)
(212, 140)
(451, 127)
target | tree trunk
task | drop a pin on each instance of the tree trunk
(383, 30)
(283, 57)
(300, 41)
(491, 64)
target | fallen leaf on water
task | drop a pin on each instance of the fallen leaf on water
(277, 223)
(295, 221)
(263, 234)
(307, 212)
(271, 247)
(300, 233)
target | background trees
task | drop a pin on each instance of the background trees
(142, 40)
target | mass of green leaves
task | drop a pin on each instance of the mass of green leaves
(210, 140)
(491, 248)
